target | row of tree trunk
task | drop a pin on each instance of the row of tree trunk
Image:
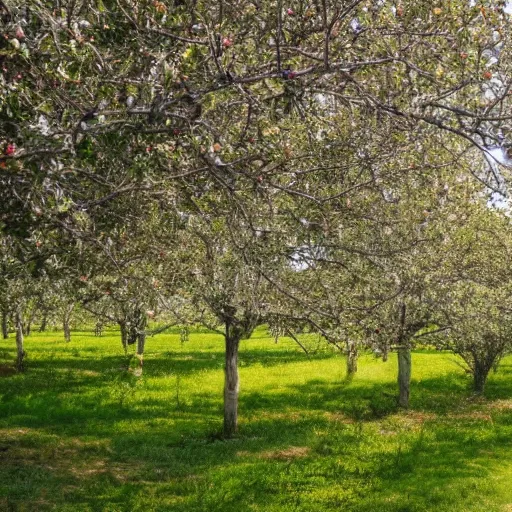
(27, 325)
(480, 371)
(23, 329)
(133, 330)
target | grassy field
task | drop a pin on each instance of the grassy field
(79, 434)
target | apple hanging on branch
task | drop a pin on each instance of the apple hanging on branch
(10, 150)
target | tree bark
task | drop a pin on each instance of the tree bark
(385, 354)
(404, 375)
(352, 356)
(141, 343)
(28, 324)
(480, 374)
(20, 353)
(132, 327)
(66, 322)
(124, 334)
(67, 329)
(231, 383)
(5, 324)
(44, 321)
(141, 322)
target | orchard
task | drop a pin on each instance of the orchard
(209, 209)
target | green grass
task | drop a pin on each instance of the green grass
(79, 434)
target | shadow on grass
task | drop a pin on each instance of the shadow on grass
(366, 401)
(46, 370)
(76, 431)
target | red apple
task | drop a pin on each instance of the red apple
(288, 74)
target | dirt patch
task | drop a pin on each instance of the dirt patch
(290, 453)
(338, 417)
(11, 434)
(474, 415)
(293, 452)
(416, 418)
(501, 405)
(291, 416)
(93, 468)
(384, 432)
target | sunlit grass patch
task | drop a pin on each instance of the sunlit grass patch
(79, 433)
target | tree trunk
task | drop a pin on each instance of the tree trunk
(5, 324)
(231, 383)
(404, 375)
(385, 353)
(66, 322)
(67, 330)
(480, 374)
(132, 327)
(30, 319)
(352, 355)
(19, 341)
(44, 321)
(124, 334)
(141, 343)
